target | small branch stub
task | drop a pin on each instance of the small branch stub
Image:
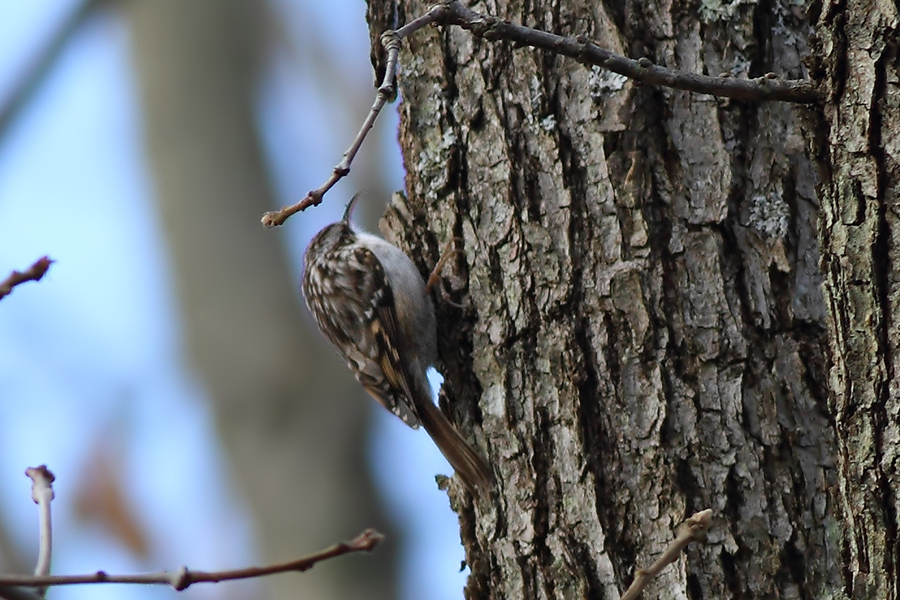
(691, 530)
(42, 494)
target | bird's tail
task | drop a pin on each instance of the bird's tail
(473, 470)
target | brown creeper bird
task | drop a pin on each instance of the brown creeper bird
(369, 300)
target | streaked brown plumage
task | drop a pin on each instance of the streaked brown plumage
(369, 300)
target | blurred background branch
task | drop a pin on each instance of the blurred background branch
(142, 140)
(293, 438)
(31, 77)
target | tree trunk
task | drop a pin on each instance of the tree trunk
(644, 333)
(295, 439)
(857, 145)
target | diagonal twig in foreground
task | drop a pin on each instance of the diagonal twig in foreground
(391, 41)
(693, 529)
(183, 577)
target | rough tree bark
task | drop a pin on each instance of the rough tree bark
(857, 144)
(644, 332)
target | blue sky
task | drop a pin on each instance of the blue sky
(94, 350)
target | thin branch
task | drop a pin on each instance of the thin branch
(449, 251)
(642, 70)
(42, 494)
(451, 12)
(694, 529)
(391, 42)
(33, 273)
(184, 578)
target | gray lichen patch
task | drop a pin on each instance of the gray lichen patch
(769, 214)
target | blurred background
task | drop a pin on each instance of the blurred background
(166, 369)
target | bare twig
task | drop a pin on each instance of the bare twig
(42, 494)
(642, 70)
(391, 42)
(183, 577)
(694, 529)
(449, 251)
(32, 273)
(452, 12)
